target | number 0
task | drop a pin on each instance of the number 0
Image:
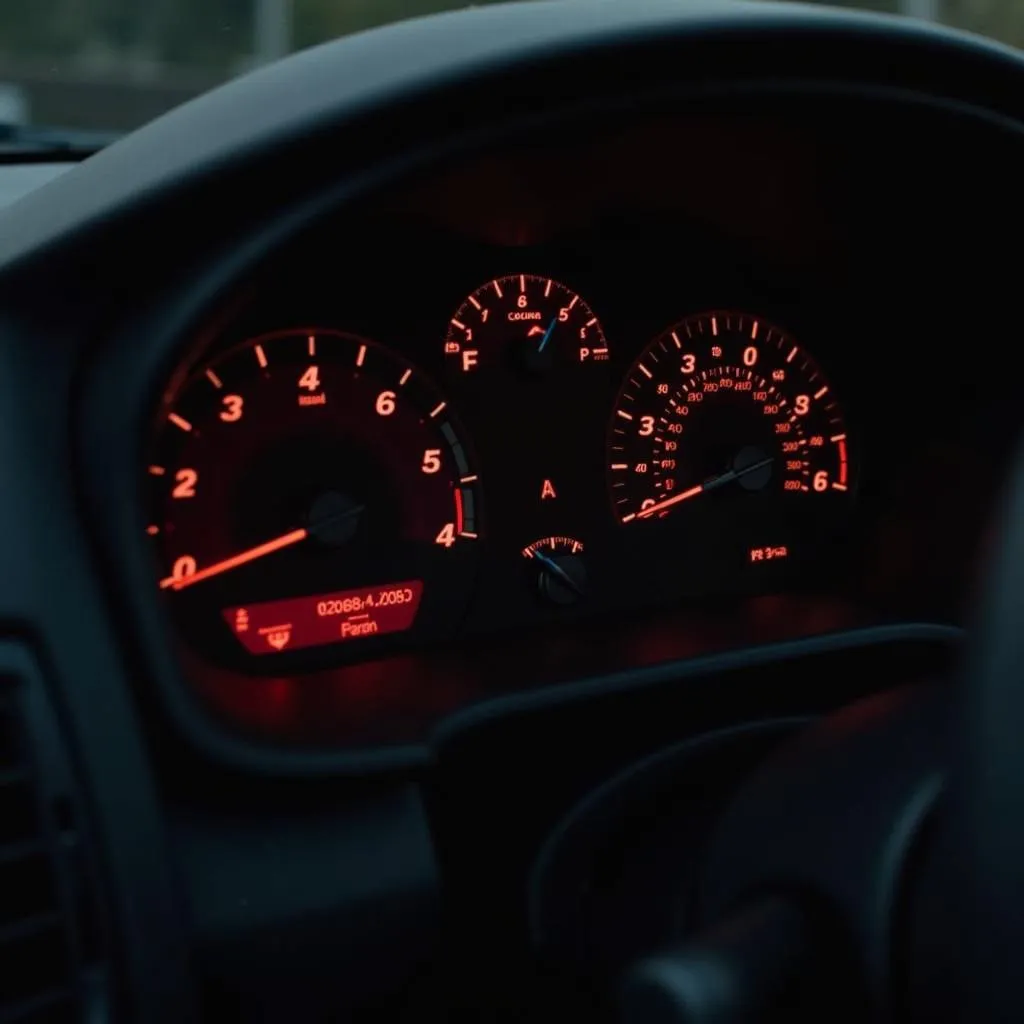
(184, 566)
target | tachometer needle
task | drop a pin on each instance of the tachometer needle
(180, 582)
(708, 485)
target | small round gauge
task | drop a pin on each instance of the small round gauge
(724, 407)
(310, 487)
(557, 567)
(528, 323)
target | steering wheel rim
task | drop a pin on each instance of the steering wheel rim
(989, 789)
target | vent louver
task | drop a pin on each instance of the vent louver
(48, 972)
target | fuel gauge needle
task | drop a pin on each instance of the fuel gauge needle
(267, 548)
(556, 570)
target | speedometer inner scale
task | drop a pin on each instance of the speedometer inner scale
(725, 425)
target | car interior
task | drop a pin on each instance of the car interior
(516, 515)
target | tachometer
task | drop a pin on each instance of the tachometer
(311, 487)
(723, 406)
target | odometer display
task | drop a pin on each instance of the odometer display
(724, 407)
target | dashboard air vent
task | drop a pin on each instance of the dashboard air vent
(47, 954)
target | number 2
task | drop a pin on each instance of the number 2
(185, 483)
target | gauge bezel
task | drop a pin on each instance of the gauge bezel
(209, 640)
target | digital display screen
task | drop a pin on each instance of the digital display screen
(274, 626)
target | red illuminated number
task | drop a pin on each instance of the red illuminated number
(821, 480)
(310, 380)
(803, 404)
(749, 355)
(640, 467)
(185, 483)
(183, 567)
(484, 315)
(689, 363)
(646, 426)
(671, 446)
(694, 396)
(232, 411)
(446, 538)
(431, 460)
(675, 428)
(521, 302)
(662, 389)
(385, 403)
(563, 314)
(771, 409)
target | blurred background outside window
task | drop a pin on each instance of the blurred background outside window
(111, 65)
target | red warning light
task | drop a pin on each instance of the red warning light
(325, 618)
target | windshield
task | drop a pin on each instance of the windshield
(111, 65)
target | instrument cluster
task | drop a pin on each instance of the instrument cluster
(378, 491)
(313, 488)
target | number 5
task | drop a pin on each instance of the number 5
(431, 460)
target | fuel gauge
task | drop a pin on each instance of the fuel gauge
(557, 569)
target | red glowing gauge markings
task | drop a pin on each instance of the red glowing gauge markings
(314, 462)
(526, 322)
(274, 626)
(722, 403)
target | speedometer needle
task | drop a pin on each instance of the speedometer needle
(268, 548)
(708, 485)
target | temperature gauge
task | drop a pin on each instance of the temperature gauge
(558, 569)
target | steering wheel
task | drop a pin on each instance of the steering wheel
(874, 868)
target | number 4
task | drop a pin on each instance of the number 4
(446, 538)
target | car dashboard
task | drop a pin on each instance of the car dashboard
(419, 443)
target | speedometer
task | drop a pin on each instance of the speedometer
(724, 406)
